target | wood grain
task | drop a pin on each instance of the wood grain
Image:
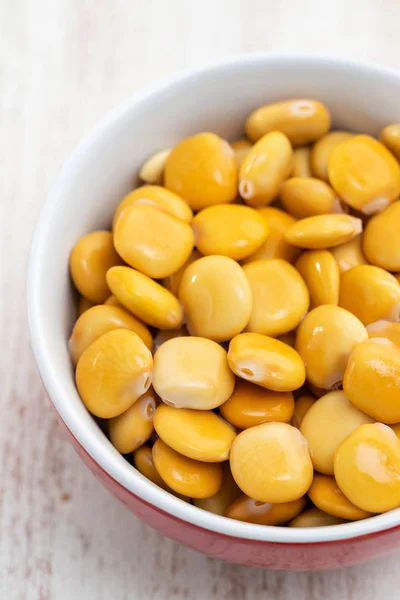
(63, 65)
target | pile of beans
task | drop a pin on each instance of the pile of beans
(238, 327)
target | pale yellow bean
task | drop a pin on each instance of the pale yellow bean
(320, 273)
(302, 120)
(198, 434)
(325, 339)
(271, 463)
(264, 169)
(280, 296)
(192, 372)
(326, 424)
(267, 362)
(216, 297)
(145, 298)
(184, 475)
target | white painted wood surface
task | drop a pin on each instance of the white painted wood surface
(63, 65)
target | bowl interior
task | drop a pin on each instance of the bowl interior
(103, 169)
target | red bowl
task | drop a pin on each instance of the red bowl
(99, 173)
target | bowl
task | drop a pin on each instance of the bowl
(99, 173)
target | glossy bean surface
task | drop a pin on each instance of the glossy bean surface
(302, 120)
(367, 468)
(326, 424)
(113, 372)
(264, 169)
(364, 174)
(267, 362)
(325, 339)
(202, 170)
(279, 296)
(198, 434)
(271, 463)
(372, 380)
(370, 293)
(192, 372)
(145, 298)
(216, 297)
(184, 475)
(229, 229)
(252, 405)
(90, 259)
(320, 273)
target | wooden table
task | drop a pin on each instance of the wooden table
(63, 65)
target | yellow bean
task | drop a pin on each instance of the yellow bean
(322, 151)
(216, 297)
(264, 513)
(192, 372)
(313, 517)
(241, 148)
(349, 254)
(227, 493)
(271, 463)
(163, 335)
(390, 137)
(381, 240)
(229, 229)
(173, 282)
(364, 174)
(133, 428)
(370, 293)
(264, 169)
(145, 298)
(302, 120)
(275, 246)
(385, 329)
(152, 171)
(84, 305)
(152, 240)
(367, 468)
(307, 197)
(202, 169)
(301, 408)
(323, 231)
(113, 372)
(184, 475)
(280, 296)
(372, 381)
(198, 434)
(320, 272)
(327, 423)
(90, 259)
(325, 339)
(159, 197)
(301, 164)
(252, 405)
(327, 496)
(97, 321)
(268, 362)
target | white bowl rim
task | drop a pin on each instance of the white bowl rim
(120, 470)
